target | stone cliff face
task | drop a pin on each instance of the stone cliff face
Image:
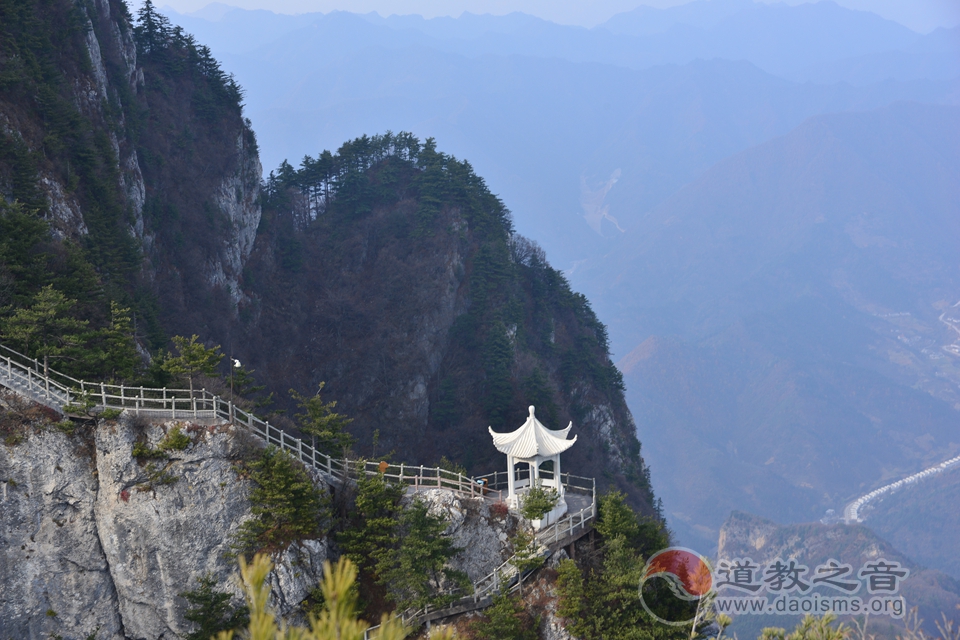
(93, 541)
(96, 541)
(136, 156)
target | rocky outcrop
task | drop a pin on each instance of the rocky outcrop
(166, 522)
(482, 536)
(93, 540)
(54, 574)
(238, 200)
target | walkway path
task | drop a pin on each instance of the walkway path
(63, 393)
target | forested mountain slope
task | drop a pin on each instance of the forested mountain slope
(391, 273)
(128, 177)
(132, 212)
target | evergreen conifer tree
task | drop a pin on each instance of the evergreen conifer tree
(192, 359)
(212, 611)
(373, 537)
(47, 328)
(414, 573)
(504, 621)
(322, 423)
(285, 503)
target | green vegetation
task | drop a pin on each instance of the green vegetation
(192, 359)
(400, 551)
(110, 414)
(337, 621)
(506, 619)
(526, 554)
(360, 223)
(371, 533)
(538, 501)
(156, 476)
(173, 52)
(143, 451)
(175, 440)
(212, 611)
(285, 503)
(42, 52)
(414, 574)
(599, 596)
(324, 426)
(810, 628)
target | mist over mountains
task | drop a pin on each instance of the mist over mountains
(761, 201)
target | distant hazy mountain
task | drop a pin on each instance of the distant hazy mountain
(776, 37)
(771, 375)
(548, 133)
(926, 587)
(791, 310)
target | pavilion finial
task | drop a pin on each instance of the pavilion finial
(532, 410)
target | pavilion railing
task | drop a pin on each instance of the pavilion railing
(36, 380)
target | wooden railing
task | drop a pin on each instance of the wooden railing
(28, 376)
(24, 375)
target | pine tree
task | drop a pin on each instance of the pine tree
(212, 611)
(372, 536)
(285, 503)
(118, 349)
(192, 359)
(570, 593)
(504, 621)
(153, 29)
(526, 554)
(414, 573)
(47, 328)
(337, 621)
(322, 423)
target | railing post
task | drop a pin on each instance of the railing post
(193, 399)
(103, 394)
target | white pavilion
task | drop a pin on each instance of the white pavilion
(539, 449)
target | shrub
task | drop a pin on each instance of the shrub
(66, 426)
(505, 620)
(499, 509)
(176, 440)
(141, 450)
(538, 502)
(156, 476)
(110, 414)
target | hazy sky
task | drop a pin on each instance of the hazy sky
(922, 15)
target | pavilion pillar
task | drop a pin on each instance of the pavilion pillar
(511, 491)
(556, 474)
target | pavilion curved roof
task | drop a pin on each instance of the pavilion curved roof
(532, 439)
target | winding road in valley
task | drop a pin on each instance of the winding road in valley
(851, 513)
